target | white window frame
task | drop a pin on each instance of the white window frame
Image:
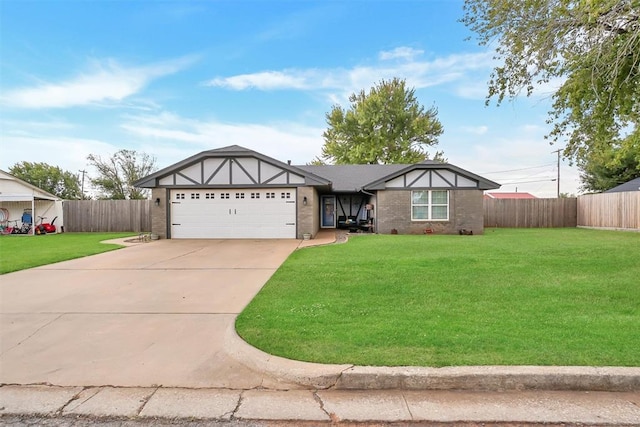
(430, 205)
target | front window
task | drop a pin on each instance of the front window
(430, 205)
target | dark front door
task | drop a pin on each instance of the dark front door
(328, 206)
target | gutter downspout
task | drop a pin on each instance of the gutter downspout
(362, 190)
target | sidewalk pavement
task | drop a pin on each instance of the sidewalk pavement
(323, 406)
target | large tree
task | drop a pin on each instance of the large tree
(52, 179)
(385, 125)
(611, 165)
(591, 48)
(117, 174)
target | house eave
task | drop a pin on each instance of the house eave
(483, 183)
(37, 193)
(152, 181)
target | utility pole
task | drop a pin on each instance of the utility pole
(83, 172)
(558, 179)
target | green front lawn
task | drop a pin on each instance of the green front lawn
(20, 252)
(510, 297)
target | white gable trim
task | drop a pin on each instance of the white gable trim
(431, 178)
(230, 172)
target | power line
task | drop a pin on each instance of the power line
(525, 182)
(532, 174)
(516, 170)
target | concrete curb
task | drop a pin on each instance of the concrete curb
(309, 375)
(492, 378)
(126, 241)
(469, 378)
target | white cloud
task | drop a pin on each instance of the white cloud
(267, 80)
(169, 133)
(106, 81)
(403, 52)
(523, 161)
(472, 90)
(418, 73)
(547, 89)
(171, 138)
(537, 130)
(476, 130)
(476, 86)
(65, 152)
(19, 126)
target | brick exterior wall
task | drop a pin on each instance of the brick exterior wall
(308, 216)
(393, 211)
(159, 213)
(469, 210)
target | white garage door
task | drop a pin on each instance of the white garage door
(233, 213)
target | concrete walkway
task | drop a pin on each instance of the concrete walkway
(323, 406)
(146, 333)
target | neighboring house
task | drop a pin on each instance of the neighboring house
(515, 195)
(18, 197)
(633, 185)
(233, 192)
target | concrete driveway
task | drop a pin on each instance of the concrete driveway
(150, 314)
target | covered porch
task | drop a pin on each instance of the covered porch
(347, 211)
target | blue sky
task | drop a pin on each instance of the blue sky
(173, 78)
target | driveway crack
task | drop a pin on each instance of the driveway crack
(34, 333)
(172, 258)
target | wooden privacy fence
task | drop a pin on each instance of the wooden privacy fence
(610, 210)
(107, 215)
(607, 210)
(530, 213)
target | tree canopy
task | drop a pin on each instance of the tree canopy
(51, 179)
(385, 125)
(611, 165)
(590, 47)
(117, 174)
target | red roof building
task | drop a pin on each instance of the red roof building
(509, 196)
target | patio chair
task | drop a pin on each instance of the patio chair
(366, 225)
(27, 218)
(352, 223)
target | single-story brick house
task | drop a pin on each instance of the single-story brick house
(234, 192)
(632, 185)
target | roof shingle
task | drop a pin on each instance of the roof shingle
(351, 178)
(633, 185)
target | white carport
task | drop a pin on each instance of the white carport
(16, 196)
